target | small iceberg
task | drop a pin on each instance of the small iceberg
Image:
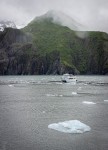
(54, 95)
(74, 93)
(88, 102)
(106, 100)
(71, 126)
(43, 112)
(10, 85)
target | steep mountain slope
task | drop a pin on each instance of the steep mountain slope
(13, 46)
(46, 47)
(84, 55)
(60, 18)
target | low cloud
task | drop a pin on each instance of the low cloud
(93, 14)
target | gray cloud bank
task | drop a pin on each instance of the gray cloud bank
(93, 14)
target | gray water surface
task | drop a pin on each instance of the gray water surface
(28, 104)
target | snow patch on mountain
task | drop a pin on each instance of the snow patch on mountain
(6, 24)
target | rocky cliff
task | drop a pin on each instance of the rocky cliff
(44, 47)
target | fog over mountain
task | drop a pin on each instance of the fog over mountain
(47, 46)
(61, 18)
(93, 15)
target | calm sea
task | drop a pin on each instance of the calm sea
(28, 104)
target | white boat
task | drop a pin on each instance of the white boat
(68, 78)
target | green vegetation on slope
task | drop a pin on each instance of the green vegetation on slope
(49, 37)
(87, 55)
(43, 47)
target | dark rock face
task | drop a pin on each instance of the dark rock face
(19, 55)
(10, 36)
(13, 42)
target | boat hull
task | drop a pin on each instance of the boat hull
(66, 78)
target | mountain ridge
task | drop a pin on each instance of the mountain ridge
(60, 18)
(44, 47)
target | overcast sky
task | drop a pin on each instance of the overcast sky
(91, 13)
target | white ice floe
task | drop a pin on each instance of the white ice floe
(74, 93)
(71, 126)
(50, 95)
(10, 85)
(88, 102)
(54, 95)
(106, 100)
(43, 112)
(85, 84)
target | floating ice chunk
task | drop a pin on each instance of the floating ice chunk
(74, 93)
(85, 84)
(54, 95)
(50, 95)
(106, 100)
(60, 95)
(71, 126)
(43, 112)
(88, 102)
(10, 85)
